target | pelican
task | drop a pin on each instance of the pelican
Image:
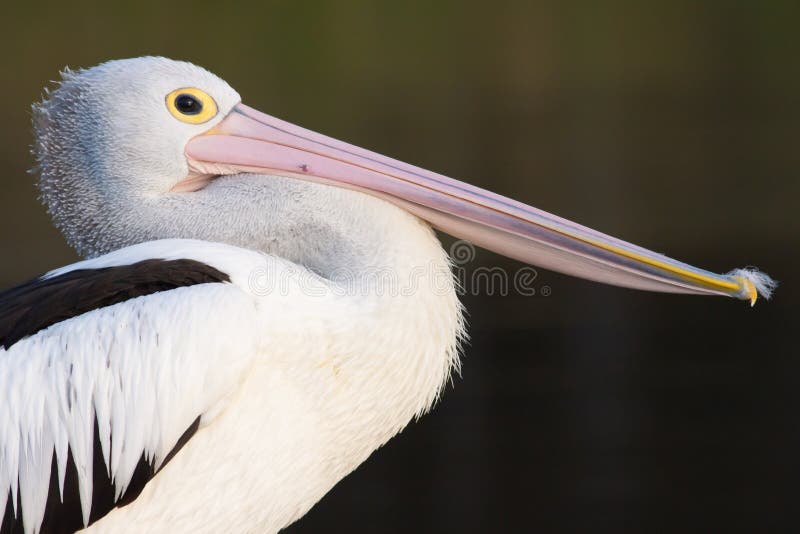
(230, 349)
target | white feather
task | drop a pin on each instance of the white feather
(292, 391)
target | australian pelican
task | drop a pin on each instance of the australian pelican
(226, 354)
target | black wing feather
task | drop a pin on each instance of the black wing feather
(42, 302)
(64, 516)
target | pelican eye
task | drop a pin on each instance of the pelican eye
(187, 104)
(191, 105)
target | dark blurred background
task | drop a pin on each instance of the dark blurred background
(670, 123)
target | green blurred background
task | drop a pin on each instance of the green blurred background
(670, 123)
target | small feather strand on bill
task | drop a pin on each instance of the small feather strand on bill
(755, 282)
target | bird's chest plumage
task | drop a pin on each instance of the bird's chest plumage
(328, 390)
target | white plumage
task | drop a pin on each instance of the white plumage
(274, 372)
(337, 322)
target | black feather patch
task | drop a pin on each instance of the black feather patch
(62, 517)
(42, 302)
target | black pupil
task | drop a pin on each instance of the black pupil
(188, 105)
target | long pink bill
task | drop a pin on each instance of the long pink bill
(250, 141)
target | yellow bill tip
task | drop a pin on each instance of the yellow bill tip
(749, 290)
(753, 283)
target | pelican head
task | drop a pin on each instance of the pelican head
(149, 148)
(108, 141)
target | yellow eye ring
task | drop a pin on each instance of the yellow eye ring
(191, 105)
